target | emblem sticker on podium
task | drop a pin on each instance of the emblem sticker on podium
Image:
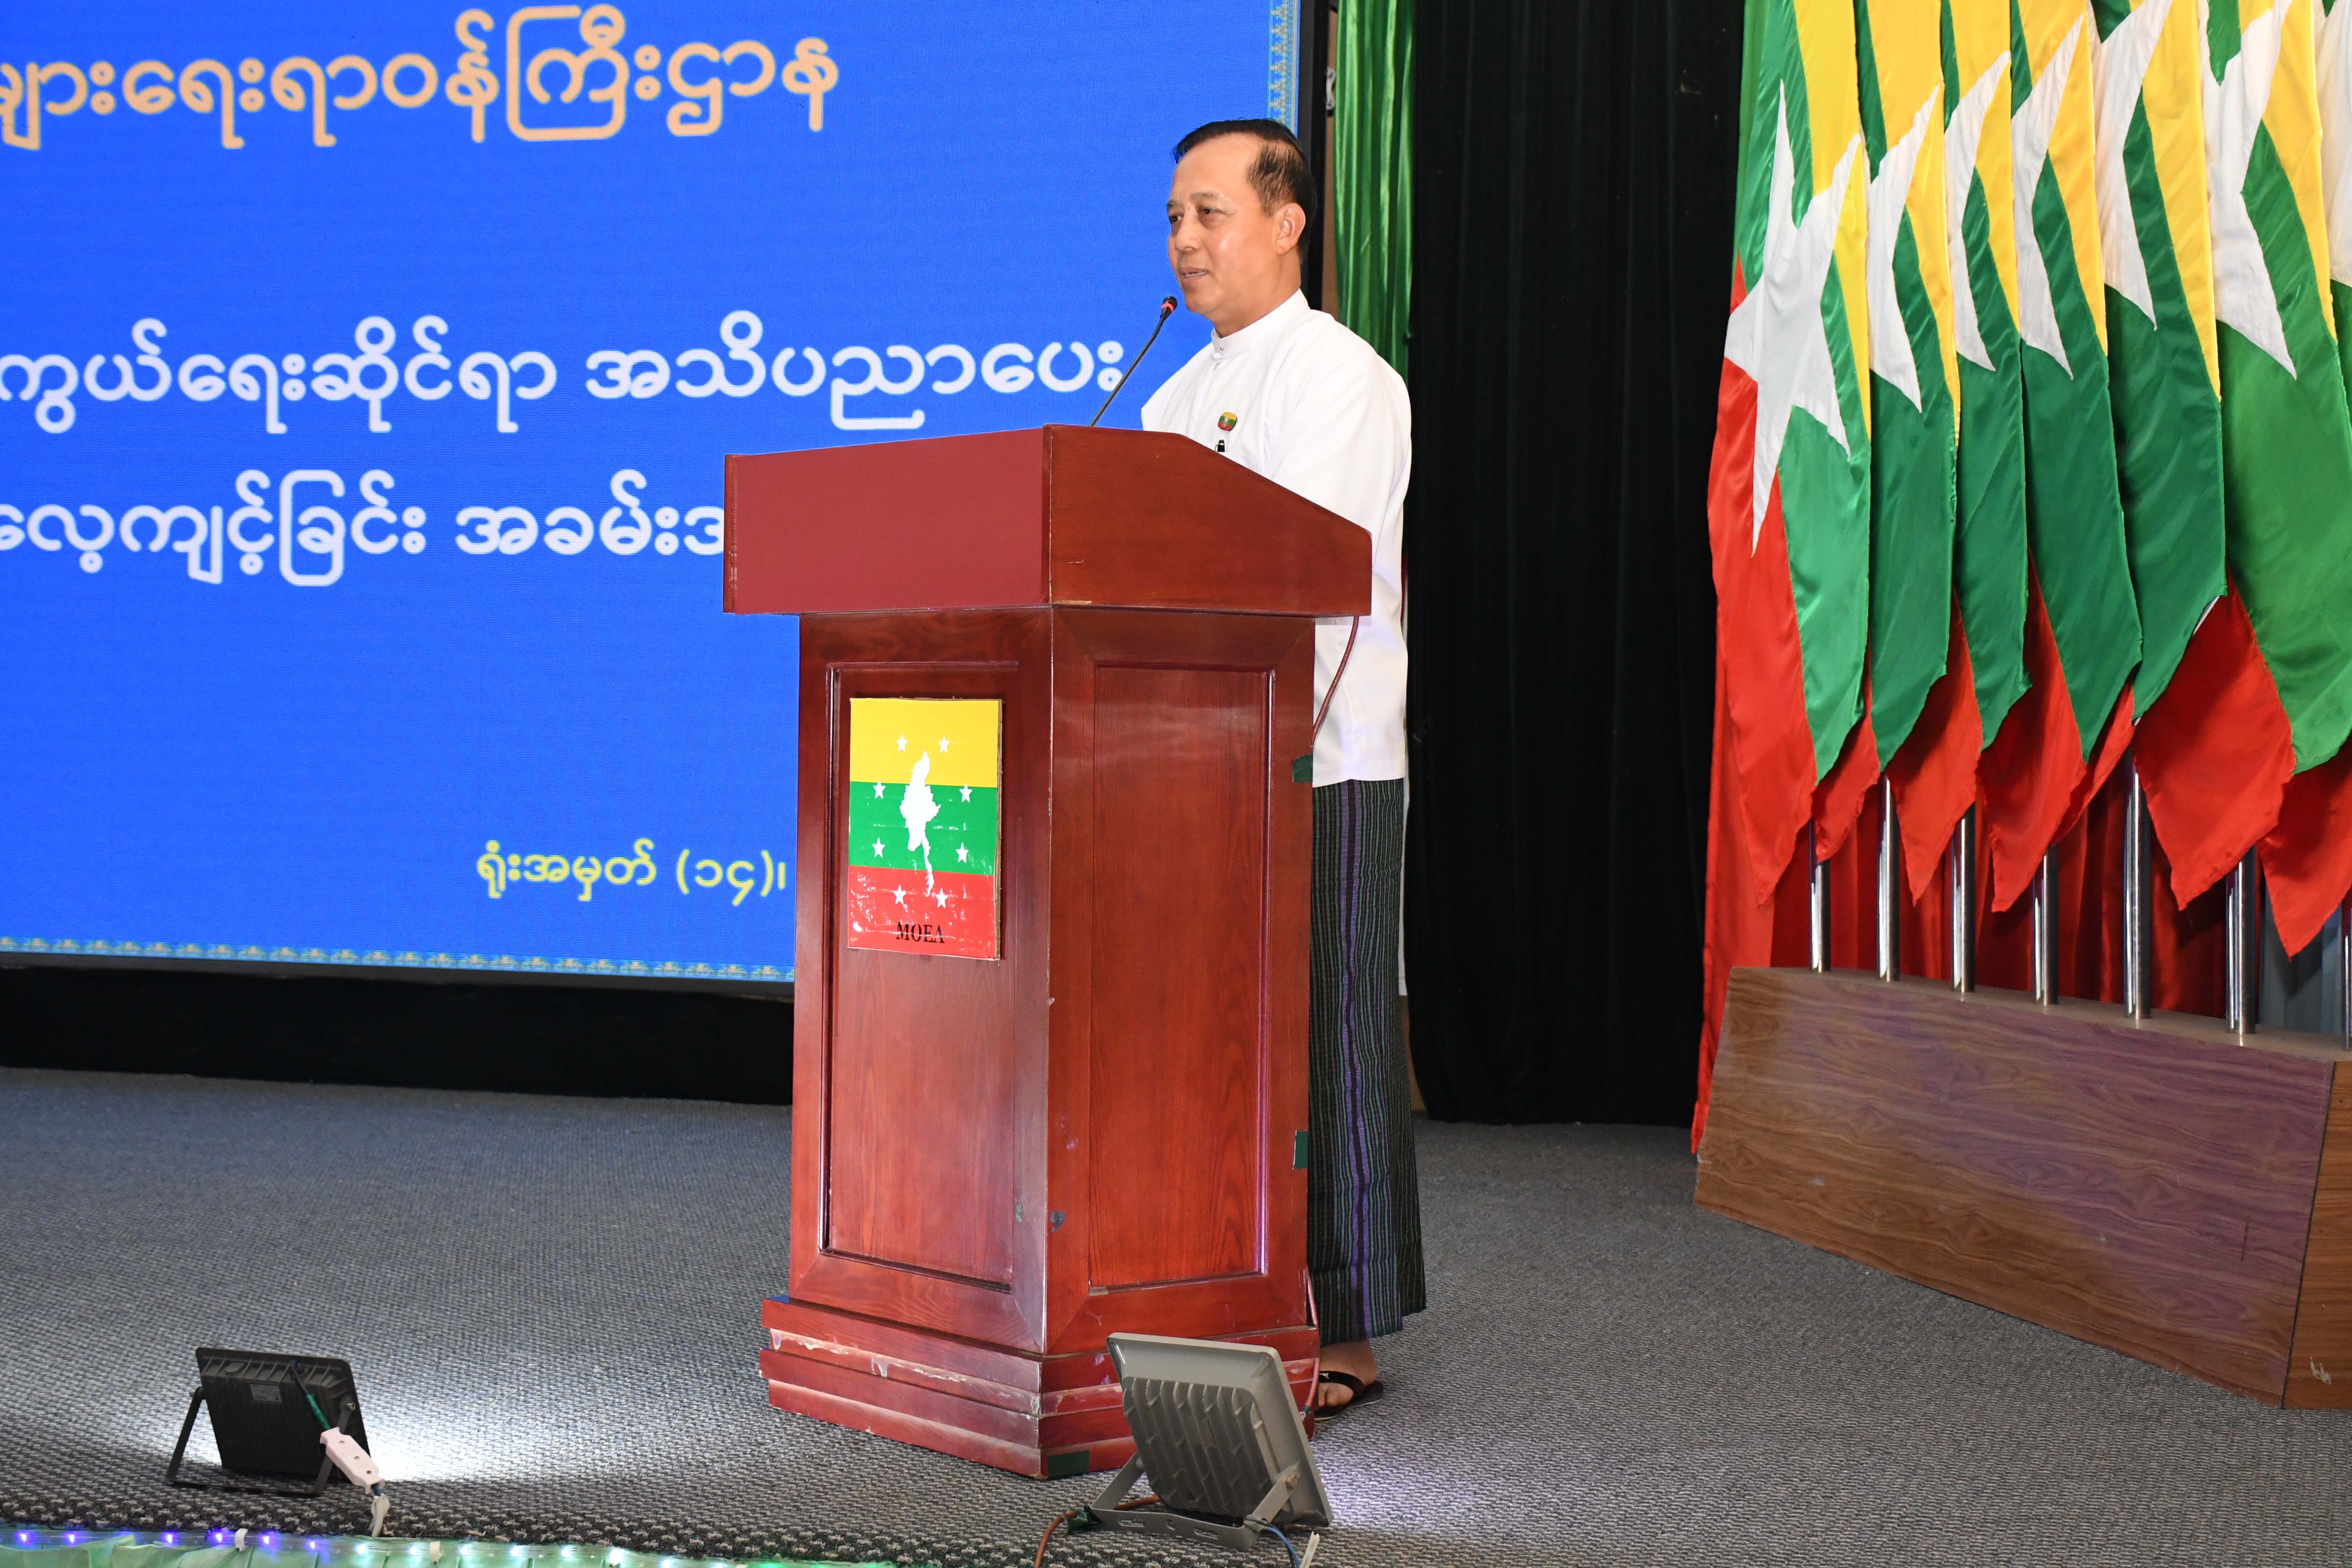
(923, 821)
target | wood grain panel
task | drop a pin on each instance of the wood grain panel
(920, 1094)
(1098, 1073)
(956, 521)
(1159, 520)
(885, 1343)
(798, 1329)
(2147, 1187)
(1017, 1411)
(919, 1089)
(986, 1419)
(939, 1436)
(920, 1196)
(1024, 518)
(2319, 1372)
(1180, 821)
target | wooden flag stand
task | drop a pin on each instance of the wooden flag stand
(2164, 1184)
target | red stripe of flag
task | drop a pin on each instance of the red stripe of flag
(907, 912)
(1935, 773)
(2216, 751)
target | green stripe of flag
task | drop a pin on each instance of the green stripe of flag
(1988, 552)
(2289, 447)
(1911, 523)
(2074, 515)
(962, 836)
(1911, 476)
(2167, 438)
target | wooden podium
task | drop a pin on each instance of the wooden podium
(997, 1161)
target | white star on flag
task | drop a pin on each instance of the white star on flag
(898, 894)
(1777, 334)
(1962, 135)
(942, 898)
(961, 853)
(2243, 295)
(878, 847)
(878, 792)
(967, 792)
(943, 743)
(1890, 189)
(2028, 134)
(902, 742)
(2118, 71)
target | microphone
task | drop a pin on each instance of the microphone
(1167, 309)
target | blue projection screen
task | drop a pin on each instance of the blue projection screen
(365, 374)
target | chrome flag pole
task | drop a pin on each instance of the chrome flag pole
(1890, 955)
(2343, 961)
(1960, 868)
(2242, 921)
(2045, 937)
(1819, 891)
(2135, 978)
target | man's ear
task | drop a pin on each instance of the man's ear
(1289, 227)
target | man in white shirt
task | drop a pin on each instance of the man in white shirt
(1288, 393)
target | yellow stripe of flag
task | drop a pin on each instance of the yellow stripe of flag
(2047, 24)
(2173, 93)
(2292, 117)
(887, 735)
(1906, 45)
(1825, 41)
(1980, 44)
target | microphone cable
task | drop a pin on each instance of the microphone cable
(1331, 690)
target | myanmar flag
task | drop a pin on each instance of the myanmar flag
(1789, 495)
(922, 875)
(1915, 412)
(1789, 492)
(2265, 692)
(2082, 625)
(2164, 366)
(2308, 857)
(1989, 570)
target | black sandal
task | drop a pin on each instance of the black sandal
(1359, 1391)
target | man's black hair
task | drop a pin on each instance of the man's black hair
(1279, 173)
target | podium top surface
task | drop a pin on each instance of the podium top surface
(1062, 515)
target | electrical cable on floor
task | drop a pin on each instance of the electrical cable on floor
(1045, 1540)
(1277, 1534)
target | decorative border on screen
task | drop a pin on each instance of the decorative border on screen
(1282, 64)
(383, 959)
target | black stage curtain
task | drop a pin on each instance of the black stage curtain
(1573, 187)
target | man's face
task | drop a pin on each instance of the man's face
(1234, 260)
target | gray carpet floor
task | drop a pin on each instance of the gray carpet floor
(552, 1308)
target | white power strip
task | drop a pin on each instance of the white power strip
(357, 1463)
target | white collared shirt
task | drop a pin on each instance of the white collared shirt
(1299, 398)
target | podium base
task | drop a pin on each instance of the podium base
(1043, 1416)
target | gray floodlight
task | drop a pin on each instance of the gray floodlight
(1218, 1432)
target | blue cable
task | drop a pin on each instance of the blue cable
(1277, 1534)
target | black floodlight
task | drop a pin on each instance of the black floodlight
(1217, 1431)
(267, 1412)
